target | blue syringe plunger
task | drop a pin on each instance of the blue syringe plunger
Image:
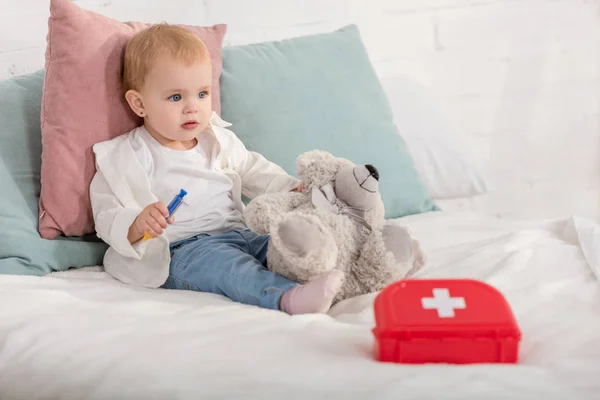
(176, 202)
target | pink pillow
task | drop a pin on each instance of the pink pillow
(82, 104)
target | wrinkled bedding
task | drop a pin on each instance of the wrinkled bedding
(82, 335)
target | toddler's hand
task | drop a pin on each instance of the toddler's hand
(299, 189)
(152, 219)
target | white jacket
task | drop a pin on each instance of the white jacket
(120, 190)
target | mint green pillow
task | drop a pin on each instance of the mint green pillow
(320, 92)
(22, 250)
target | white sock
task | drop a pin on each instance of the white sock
(315, 296)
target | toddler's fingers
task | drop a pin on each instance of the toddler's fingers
(171, 220)
(158, 218)
(156, 228)
(152, 227)
(150, 231)
(162, 208)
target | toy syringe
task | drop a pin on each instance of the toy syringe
(172, 207)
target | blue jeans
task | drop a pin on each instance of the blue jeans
(232, 264)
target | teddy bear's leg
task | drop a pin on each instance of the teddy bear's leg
(405, 249)
(388, 255)
(419, 259)
(301, 248)
(265, 210)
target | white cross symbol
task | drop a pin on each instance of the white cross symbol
(443, 303)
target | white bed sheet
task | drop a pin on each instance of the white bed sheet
(82, 335)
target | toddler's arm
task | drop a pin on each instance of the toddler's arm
(112, 220)
(260, 175)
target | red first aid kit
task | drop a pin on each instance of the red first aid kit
(456, 321)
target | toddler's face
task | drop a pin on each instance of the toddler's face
(177, 99)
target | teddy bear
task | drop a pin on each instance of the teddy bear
(336, 221)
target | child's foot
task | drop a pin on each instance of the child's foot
(315, 296)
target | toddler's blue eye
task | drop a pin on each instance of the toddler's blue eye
(175, 97)
(202, 94)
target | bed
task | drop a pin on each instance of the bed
(80, 334)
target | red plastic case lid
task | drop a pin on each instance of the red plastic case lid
(434, 308)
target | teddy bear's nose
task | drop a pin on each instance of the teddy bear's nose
(373, 171)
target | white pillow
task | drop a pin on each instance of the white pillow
(447, 172)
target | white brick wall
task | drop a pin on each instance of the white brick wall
(519, 78)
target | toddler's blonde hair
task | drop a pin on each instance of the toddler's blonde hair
(148, 45)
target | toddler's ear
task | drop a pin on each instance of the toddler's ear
(136, 102)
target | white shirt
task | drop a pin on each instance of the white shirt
(208, 206)
(121, 189)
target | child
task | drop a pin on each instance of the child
(183, 144)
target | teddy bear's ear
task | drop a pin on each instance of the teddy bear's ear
(312, 159)
(317, 167)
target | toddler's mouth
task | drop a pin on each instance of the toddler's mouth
(190, 125)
